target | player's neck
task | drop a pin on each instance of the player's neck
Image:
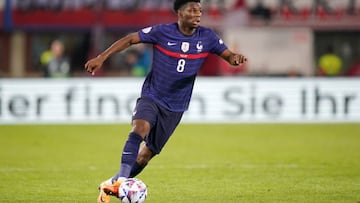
(186, 30)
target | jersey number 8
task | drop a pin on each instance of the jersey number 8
(181, 65)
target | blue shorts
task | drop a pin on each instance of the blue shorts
(163, 122)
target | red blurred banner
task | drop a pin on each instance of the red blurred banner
(1, 19)
(85, 18)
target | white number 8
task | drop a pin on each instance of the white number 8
(181, 65)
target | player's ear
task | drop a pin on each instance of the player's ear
(179, 13)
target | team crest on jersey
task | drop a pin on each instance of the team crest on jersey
(185, 46)
(199, 46)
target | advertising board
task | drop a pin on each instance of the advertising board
(215, 100)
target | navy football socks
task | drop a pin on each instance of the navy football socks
(129, 155)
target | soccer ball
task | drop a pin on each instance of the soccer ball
(132, 190)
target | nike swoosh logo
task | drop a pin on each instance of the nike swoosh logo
(127, 153)
(171, 44)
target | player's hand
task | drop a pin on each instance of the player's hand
(94, 65)
(238, 59)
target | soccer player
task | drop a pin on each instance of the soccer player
(179, 50)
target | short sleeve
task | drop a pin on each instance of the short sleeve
(218, 44)
(149, 34)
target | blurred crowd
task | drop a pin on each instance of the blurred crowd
(263, 8)
(30, 5)
(303, 9)
(62, 52)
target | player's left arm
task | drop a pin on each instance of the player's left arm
(95, 64)
(233, 58)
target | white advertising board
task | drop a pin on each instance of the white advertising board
(215, 100)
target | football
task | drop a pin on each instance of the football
(132, 190)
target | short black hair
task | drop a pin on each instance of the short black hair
(179, 3)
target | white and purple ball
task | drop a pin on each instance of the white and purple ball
(132, 190)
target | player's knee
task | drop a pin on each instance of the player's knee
(141, 127)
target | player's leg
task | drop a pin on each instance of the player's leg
(158, 136)
(128, 159)
(144, 156)
(144, 116)
(140, 128)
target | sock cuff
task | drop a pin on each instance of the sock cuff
(136, 136)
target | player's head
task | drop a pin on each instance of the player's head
(189, 12)
(179, 3)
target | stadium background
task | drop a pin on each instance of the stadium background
(283, 40)
(293, 34)
(281, 84)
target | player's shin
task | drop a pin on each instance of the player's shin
(129, 155)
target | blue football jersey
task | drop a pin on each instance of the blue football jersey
(176, 61)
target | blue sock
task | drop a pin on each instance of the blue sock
(129, 155)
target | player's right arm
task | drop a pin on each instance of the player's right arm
(95, 64)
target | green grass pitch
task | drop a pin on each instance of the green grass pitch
(201, 163)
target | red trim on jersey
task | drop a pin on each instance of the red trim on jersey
(178, 55)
